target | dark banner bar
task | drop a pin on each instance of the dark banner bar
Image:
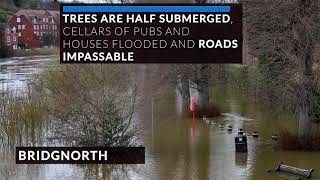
(80, 155)
(151, 33)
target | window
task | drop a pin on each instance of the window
(14, 30)
(14, 38)
(8, 30)
(19, 34)
(8, 39)
(23, 26)
(14, 47)
(19, 26)
(18, 19)
(34, 27)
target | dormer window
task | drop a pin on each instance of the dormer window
(34, 20)
(18, 19)
(14, 29)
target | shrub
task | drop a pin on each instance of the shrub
(292, 141)
(210, 111)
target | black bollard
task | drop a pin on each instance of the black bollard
(255, 134)
(274, 137)
(241, 142)
(229, 128)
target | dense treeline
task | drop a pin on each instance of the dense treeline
(283, 36)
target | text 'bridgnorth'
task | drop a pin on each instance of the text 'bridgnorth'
(43, 155)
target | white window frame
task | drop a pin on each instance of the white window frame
(19, 34)
(8, 39)
(18, 19)
(14, 38)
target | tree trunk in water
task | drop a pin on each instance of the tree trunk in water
(203, 85)
(183, 80)
(204, 94)
(185, 89)
(304, 50)
(305, 110)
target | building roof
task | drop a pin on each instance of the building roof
(38, 14)
(56, 15)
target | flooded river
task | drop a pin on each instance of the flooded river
(177, 147)
(15, 72)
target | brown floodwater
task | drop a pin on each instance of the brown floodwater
(178, 147)
(185, 149)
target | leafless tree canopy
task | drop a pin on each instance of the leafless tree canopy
(93, 105)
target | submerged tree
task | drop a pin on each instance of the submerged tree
(93, 105)
(286, 33)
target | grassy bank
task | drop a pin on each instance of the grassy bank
(36, 52)
(7, 53)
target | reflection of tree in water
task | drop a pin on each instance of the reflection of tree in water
(107, 171)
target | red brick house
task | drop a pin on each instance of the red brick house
(11, 37)
(8, 36)
(32, 25)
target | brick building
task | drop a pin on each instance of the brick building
(8, 36)
(30, 27)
